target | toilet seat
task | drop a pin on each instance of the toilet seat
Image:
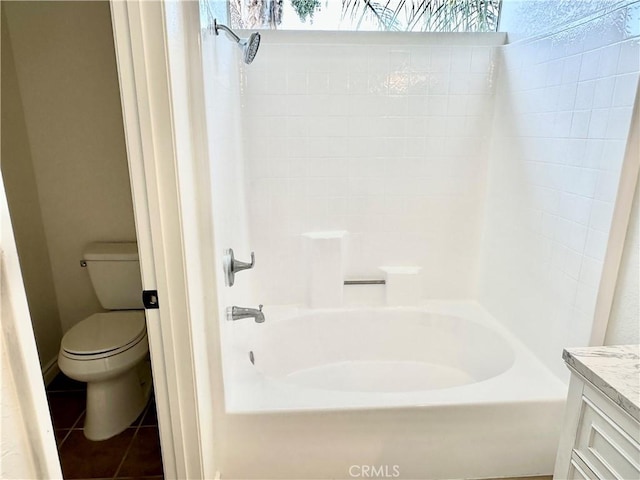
(104, 335)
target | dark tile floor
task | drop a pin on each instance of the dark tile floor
(133, 454)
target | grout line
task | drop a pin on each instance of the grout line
(78, 419)
(126, 452)
(57, 392)
(73, 427)
(64, 439)
(144, 413)
(133, 438)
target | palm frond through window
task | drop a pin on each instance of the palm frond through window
(426, 16)
(382, 15)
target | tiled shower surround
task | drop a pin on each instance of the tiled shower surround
(493, 167)
(387, 140)
(563, 112)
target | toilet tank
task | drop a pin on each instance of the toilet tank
(114, 270)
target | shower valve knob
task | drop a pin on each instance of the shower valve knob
(233, 266)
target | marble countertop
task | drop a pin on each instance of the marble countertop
(613, 370)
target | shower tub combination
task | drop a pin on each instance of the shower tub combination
(437, 391)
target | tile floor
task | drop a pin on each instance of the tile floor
(135, 453)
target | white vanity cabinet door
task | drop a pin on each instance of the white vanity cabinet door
(600, 441)
(607, 440)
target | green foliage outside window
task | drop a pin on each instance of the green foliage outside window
(305, 8)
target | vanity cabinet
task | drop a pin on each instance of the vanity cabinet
(601, 432)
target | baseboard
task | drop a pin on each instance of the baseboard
(50, 370)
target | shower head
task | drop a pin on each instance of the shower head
(249, 45)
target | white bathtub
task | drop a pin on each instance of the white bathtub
(441, 391)
(379, 350)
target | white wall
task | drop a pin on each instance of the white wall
(22, 194)
(562, 121)
(382, 135)
(66, 71)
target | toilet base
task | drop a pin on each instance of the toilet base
(115, 403)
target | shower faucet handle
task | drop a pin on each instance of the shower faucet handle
(233, 266)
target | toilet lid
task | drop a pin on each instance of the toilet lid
(104, 332)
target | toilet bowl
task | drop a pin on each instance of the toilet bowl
(109, 352)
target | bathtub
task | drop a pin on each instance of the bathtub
(437, 391)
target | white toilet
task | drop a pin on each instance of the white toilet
(109, 350)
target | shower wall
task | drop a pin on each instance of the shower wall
(230, 221)
(385, 136)
(493, 167)
(563, 113)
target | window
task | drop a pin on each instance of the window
(352, 15)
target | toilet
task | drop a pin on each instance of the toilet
(109, 350)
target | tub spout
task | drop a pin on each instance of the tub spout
(236, 313)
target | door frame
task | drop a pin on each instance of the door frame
(154, 42)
